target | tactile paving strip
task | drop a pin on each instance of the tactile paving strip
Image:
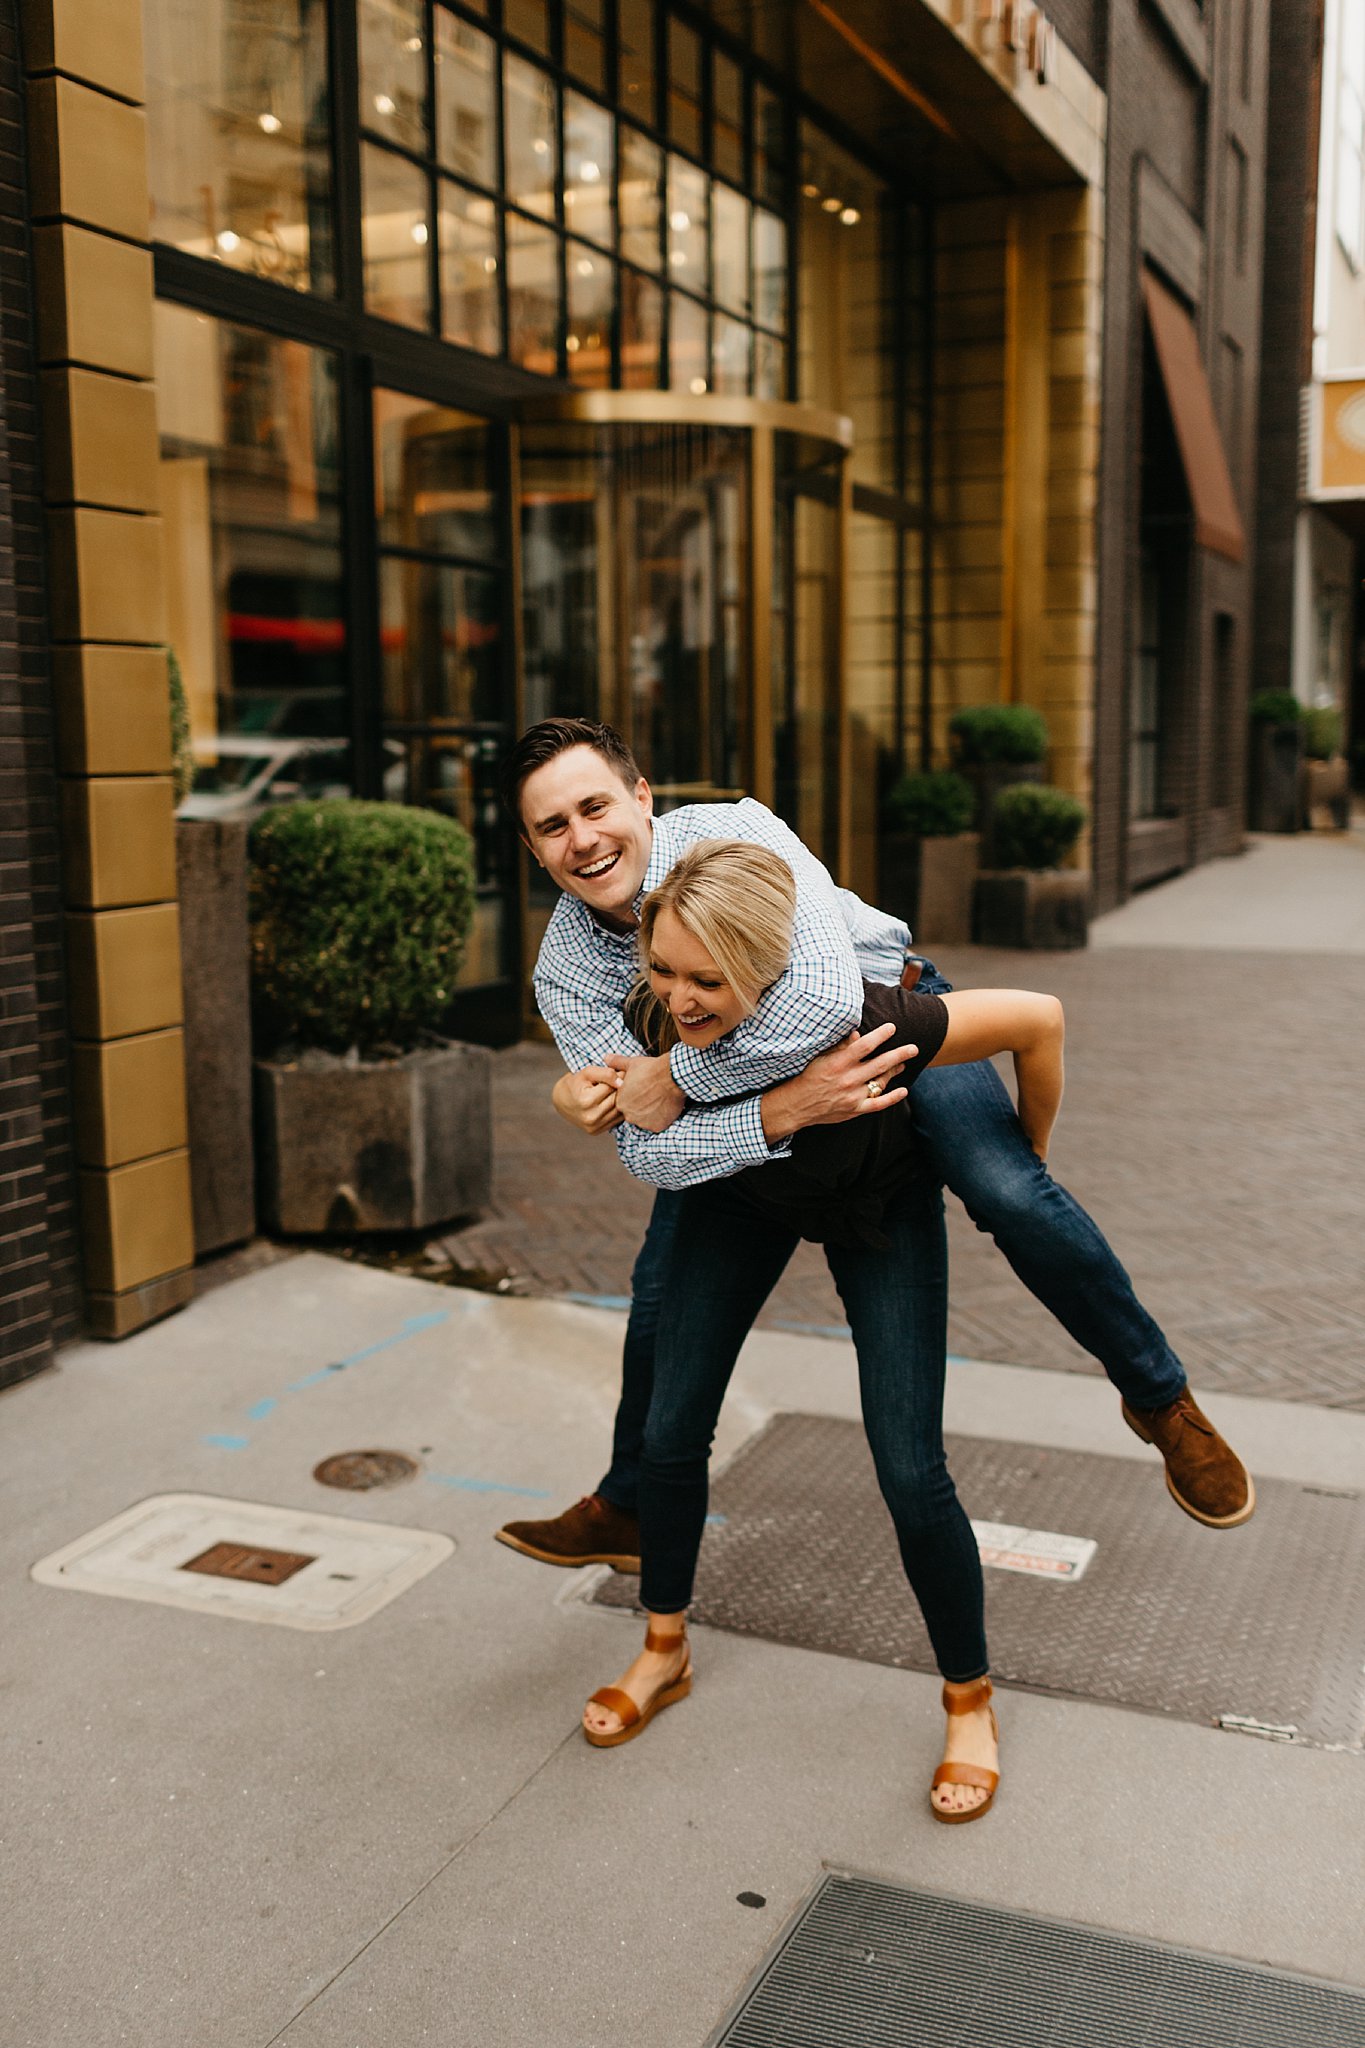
(907, 1969)
(1264, 1623)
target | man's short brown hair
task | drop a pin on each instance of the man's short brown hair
(553, 736)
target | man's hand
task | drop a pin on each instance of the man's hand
(647, 1095)
(588, 1099)
(833, 1087)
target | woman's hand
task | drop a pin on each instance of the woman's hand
(587, 1099)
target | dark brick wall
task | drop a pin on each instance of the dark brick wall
(39, 1287)
(1286, 329)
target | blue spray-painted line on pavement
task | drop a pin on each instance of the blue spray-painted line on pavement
(466, 1484)
(618, 1303)
(413, 1326)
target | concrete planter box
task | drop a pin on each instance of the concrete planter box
(929, 882)
(1276, 778)
(1042, 912)
(987, 779)
(211, 865)
(347, 1145)
(1327, 794)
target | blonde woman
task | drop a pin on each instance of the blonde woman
(714, 937)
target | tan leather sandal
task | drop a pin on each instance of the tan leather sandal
(966, 1774)
(634, 1720)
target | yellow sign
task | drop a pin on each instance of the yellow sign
(1341, 440)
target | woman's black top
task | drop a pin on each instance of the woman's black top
(836, 1182)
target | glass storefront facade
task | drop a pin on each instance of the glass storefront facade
(507, 355)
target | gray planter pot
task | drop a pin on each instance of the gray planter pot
(987, 779)
(211, 864)
(1276, 778)
(929, 882)
(1043, 912)
(1327, 794)
(347, 1146)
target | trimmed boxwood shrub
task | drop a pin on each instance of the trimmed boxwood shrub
(932, 806)
(1036, 826)
(1322, 733)
(998, 732)
(359, 915)
(182, 752)
(1275, 707)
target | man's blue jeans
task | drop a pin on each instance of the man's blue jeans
(976, 1144)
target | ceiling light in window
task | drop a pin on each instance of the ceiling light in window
(418, 231)
(589, 173)
(584, 266)
(270, 123)
(850, 216)
(680, 222)
(541, 146)
(572, 344)
(413, 43)
(810, 191)
(490, 264)
(697, 386)
(832, 205)
(227, 241)
(677, 257)
(383, 104)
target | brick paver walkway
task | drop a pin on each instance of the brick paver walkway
(1214, 1125)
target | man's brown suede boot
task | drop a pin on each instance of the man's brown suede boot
(1204, 1474)
(593, 1531)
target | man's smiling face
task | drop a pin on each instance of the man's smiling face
(590, 831)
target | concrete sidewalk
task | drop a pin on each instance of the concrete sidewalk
(222, 1835)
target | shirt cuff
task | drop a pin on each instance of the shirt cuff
(753, 1143)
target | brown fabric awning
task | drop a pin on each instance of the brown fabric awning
(1217, 522)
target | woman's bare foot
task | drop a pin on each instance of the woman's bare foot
(653, 1672)
(969, 1738)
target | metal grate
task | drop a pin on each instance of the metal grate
(880, 1966)
(1260, 1625)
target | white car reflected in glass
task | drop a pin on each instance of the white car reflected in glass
(242, 774)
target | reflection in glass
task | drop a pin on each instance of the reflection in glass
(395, 234)
(530, 20)
(585, 47)
(730, 247)
(730, 349)
(589, 151)
(687, 365)
(532, 295)
(807, 536)
(466, 100)
(686, 224)
(562, 533)
(727, 116)
(635, 67)
(440, 633)
(873, 681)
(250, 494)
(433, 478)
(590, 293)
(770, 367)
(393, 71)
(530, 136)
(770, 147)
(639, 198)
(238, 135)
(684, 87)
(467, 236)
(770, 269)
(642, 322)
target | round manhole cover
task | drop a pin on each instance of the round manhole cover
(358, 1471)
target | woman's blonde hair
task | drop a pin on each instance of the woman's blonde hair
(737, 900)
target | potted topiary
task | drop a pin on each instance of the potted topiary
(995, 746)
(1030, 900)
(928, 857)
(1276, 761)
(366, 1118)
(1327, 782)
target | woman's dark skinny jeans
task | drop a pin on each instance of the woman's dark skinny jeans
(726, 1259)
(975, 1143)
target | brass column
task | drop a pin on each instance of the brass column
(94, 292)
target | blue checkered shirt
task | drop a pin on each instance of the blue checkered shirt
(585, 972)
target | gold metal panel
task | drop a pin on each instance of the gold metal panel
(119, 1315)
(87, 157)
(106, 576)
(113, 710)
(100, 444)
(136, 1221)
(99, 41)
(123, 970)
(118, 840)
(680, 408)
(94, 300)
(128, 1098)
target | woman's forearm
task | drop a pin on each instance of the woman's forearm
(983, 1022)
(1038, 1081)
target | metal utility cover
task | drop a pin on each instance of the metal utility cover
(159, 1550)
(1262, 1624)
(870, 1965)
